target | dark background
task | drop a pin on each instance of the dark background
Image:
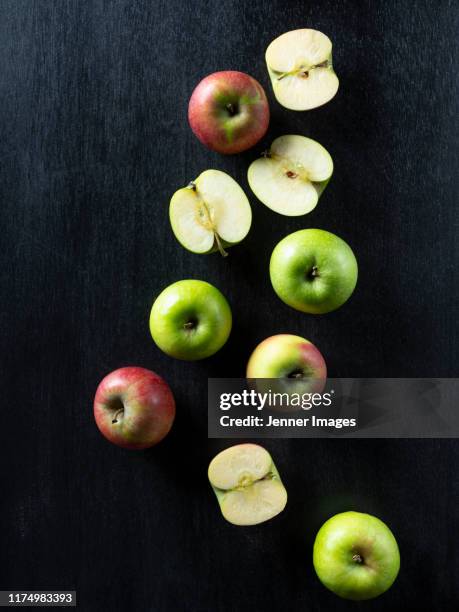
(94, 140)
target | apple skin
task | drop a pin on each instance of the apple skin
(285, 356)
(190, 320)
(147, 403)
(356, 556)
(228, 111)
(313, 271)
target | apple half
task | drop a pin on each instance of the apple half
(301, 70)
(247, 484)
(290, 177)
(211, 213)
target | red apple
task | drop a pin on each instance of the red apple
(228, 111)
(134, 408)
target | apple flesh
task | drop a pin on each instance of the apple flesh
(291, 175)
(211, 213)
(190, 320)
(300, 68)
(313, 271)
(289, 357)
(229, 112)
(134, 408)
(247, 484)
(356, 556)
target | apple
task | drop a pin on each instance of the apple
(289, 357)
(356, 556)
(134, 408)
(290, 177)
(190, 320)
(301, 71)
(247, 484)
(313, 271)
(211, 213)
(228, 111)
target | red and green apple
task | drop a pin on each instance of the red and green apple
(228, 111)
(288, 356)
(134, 407)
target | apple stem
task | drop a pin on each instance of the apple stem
(191, 185)
(117, 413)
(222, 251)
(314, 272)
(357, 558)
(231, 109)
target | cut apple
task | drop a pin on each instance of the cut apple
(301, 71)
(211, 213)
(292, 175)
(247, 484)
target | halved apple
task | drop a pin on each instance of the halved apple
(211, 213)
(247, 484)
(301, 71)
(292, 175)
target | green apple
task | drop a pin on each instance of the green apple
(356, 556)
(247, 484)
(290, 177)
(190, 320)
(211, 213)
(300, 68)
(313, 271)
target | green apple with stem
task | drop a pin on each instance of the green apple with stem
(210, 214)
(190, 320)
(356, 556)
(291, 176)
(301, 70)
(313, 271)
(247, 484)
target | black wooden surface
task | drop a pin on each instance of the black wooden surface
(93, 142)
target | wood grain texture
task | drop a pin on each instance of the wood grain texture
(93, 142)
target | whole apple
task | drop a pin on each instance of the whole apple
(288, 356)
(190, 320)
(356, 556)
(228, 111)
(134, 408)
(313, 271)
